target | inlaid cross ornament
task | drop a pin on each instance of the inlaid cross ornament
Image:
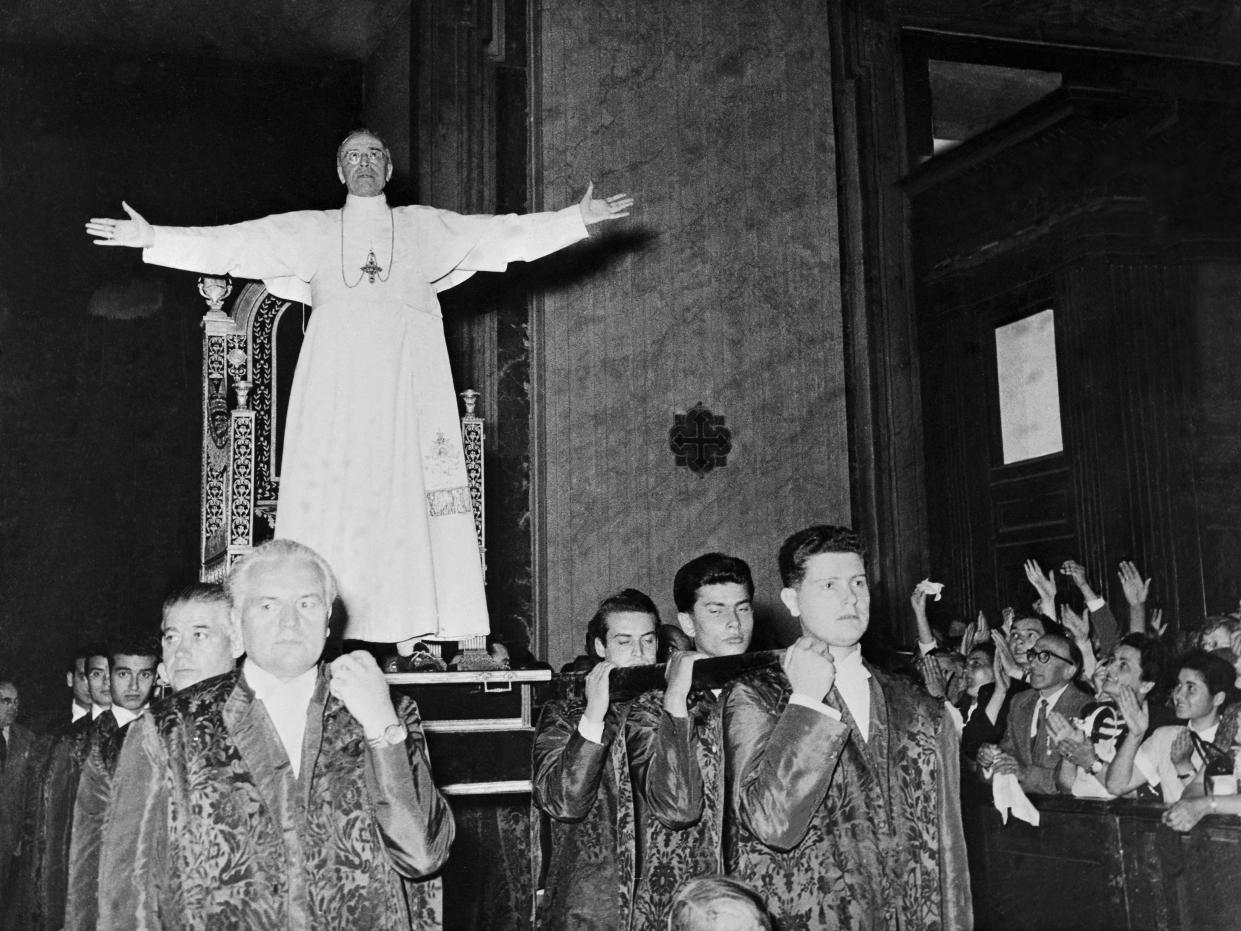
(371, 268)
(699, 440)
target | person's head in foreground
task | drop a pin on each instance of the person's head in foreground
(625, 630)
(131, 672)
(196, 636)
(1138, 661)
(717, 903)
(281, 596)
(1203, 686)
(714, 596)
(825, 584)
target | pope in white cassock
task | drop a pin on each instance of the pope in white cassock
(373, 475)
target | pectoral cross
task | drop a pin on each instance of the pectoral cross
(371, 268)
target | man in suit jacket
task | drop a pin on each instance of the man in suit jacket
(284, 794)
(17, 753)
(1027, 750)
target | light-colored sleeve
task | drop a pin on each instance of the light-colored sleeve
(273, 249)
(134, 857)
(1153, 756)
(455, 246)
(780, 764)
(413, 818)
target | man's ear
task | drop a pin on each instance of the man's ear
(340, 172)
(389, 178)
(600, 649)
(686, 621)
(69, 679)
(789, 597)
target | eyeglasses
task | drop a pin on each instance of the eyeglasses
(1044, 657)
(357, 156)
(8, 701)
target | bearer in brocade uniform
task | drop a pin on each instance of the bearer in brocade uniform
(285, 794)
(843, 779)
(676, 740)
(373, 473)
(582, 781)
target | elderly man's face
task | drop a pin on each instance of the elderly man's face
(78, 682)
(284, 616)
(1051, 663)
(833, 600)
(133, 677)
(8, 704)
(100, 682)
(196, 641)
(363, 165)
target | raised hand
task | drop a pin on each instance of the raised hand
(597, 211)
(1077, 572)
(1131, 582)
(810, 667)
(984, 630)
(1005, 660)
(1045, 585)
(597, 693)
(1134, 711)
(1160, 627)
(1008, 614)
(1182, 748)
(135, 232)
(1076, 624)
(933, 676)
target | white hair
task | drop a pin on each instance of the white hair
(276, 551)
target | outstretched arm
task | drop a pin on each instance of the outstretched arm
(135, 232)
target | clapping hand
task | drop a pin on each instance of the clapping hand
(1068, 741)
(1136, 715)
(1182, 748)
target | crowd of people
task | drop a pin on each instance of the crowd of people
(813, 788)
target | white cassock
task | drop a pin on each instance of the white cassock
(373, 475)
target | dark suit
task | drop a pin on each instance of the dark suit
(1037, 760)
(209, 828)
(14, 782)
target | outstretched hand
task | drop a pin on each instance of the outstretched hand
(1135, 587)
(597, 211)
(135, 232)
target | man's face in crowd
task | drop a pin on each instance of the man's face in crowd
(370, 173)
(132, 678)
(99, 681)
(1216, 639)
(284, 616)
(8, 704)
(78, 682)
(833, 600)
(1056, 668)
(1026, 631)
(197, 643)
(632, 640)
(721, 620)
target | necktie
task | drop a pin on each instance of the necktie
(1040, 718)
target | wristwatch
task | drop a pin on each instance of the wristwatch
(393, 736)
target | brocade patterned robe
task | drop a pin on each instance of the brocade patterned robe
(677, 766)
(585, 788)
(373, 471)
(209, 828)
(43, 878)
(89, 811)
(834, 831)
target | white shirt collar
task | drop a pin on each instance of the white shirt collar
(96, 710)
(124, 715)
(1207, 735)
(265, 685)
(850, 665)
(287, 704)
(79, 711)
(1054, 696)
(367, 205)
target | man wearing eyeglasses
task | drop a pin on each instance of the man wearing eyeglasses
(1026, 749)
(373, 473)
(16, 755)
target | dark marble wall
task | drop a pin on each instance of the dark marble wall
(723, 287)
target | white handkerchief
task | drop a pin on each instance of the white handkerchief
(932, 588)
(1008, 795)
